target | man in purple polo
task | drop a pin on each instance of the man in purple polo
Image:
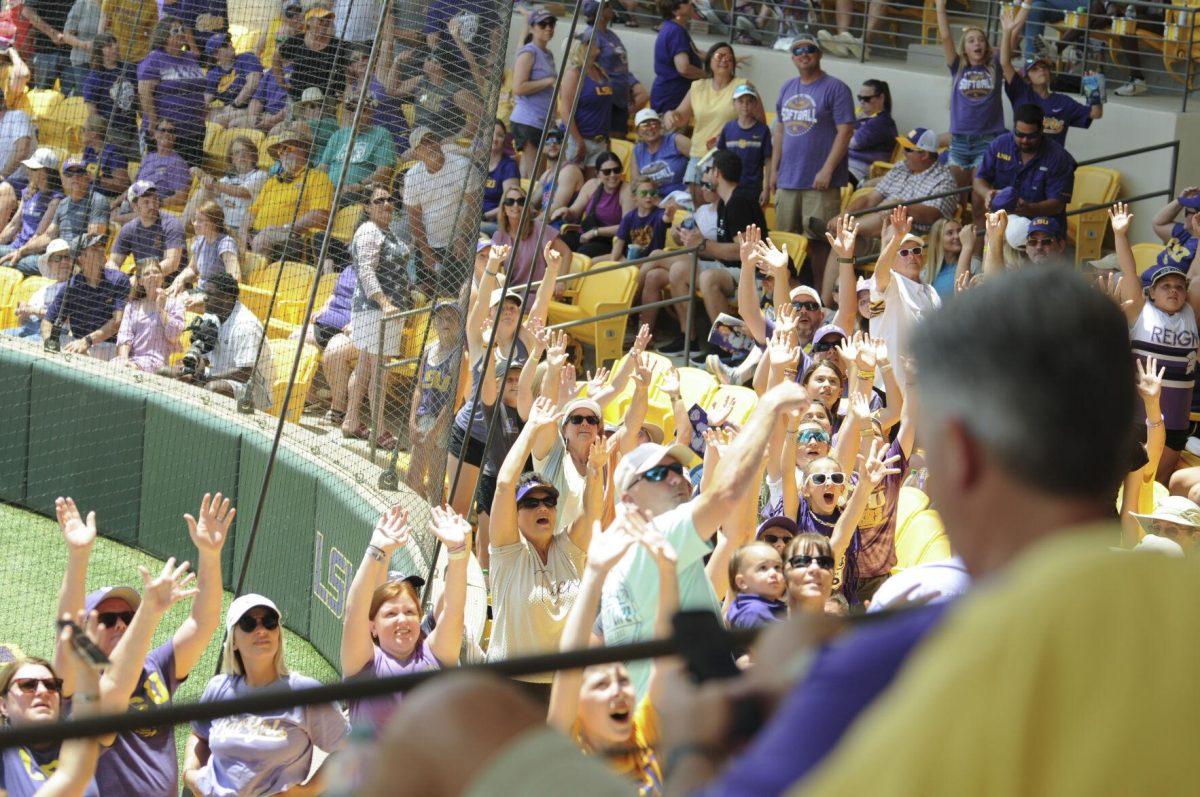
(1039, 171)
(85, 315)
(152, 234)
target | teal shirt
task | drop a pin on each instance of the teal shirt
(373, 148)
(322, 130)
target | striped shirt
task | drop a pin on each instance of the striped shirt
(1172, 338)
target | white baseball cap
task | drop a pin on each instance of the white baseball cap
(645, 457)
(312, 94)
(646, 115)
(243, 604)
(56, 246)
(581, 404)
(42, 158)
(802, 291)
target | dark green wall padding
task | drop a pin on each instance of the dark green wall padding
(140, 459)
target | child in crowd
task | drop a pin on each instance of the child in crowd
(749, 139)
(757, 586)
(643, 230)
(442, 375)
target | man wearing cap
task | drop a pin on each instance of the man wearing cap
(144, 762)
(232, 81)
(813, 127)
(661, 157)
(1045, 242)
(313, 57)
(613, 58)
(151, 234)
(918, 174)
(56, 265)
(436, 191)
(79, 211)
(280, 213)
(86, 314)
(1040, 173)
(370, 158)
(1180, 233)
(310, 110)
(750, 139)
(1173, 527)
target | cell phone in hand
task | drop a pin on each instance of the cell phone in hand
(82, 643)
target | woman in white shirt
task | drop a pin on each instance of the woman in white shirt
(234, 192)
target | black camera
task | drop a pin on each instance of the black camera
(204, 330)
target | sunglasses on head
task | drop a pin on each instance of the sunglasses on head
(109, 619)
(590, 420)
(660, 472)
(269, 621)
(381, 200)
(514, 201)
(912, 250)
(805, 49)
(831, 478)
(804, 560)
(610, 171)
(813, 436)
(774, 539)
(549, 502)
(807, 306)
(1034, 134)
(29, 685)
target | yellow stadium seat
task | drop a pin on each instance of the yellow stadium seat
(283, 352)
(244, 39)
(10, 278)
(216, 146)
(614, 411)
(847, 190)
(62, 126)
(623, 149)
(1146, 255)
(291, 310)
(251, 263)
(1094, 185)
(696, 386)
(848, 196)
(293, 274)
(42, 102)
(744, 401)
(579, 264)
(922, 539)
(910, 502)
(879, 169)
(796, 245)
(769, 213)
(601, 293)
(346, 222)
(278, 329)
(132, 169)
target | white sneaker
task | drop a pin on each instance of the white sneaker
(717, 368)
(852, 44)
(1133, 88)
(830, 44)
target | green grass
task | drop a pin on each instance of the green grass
(34, 557)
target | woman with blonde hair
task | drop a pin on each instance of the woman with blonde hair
(213, 251)
(234, 192)
(948, 256)
(589, 125)
(152, 322)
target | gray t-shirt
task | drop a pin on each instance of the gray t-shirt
(73, 216)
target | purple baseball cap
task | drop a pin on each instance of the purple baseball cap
(1047, 225)
(539, 484)
(127, 594)
(215, 42)
(829, 329)
(778, 522)
(1165, 267)
(539, 16)
(1005, 199)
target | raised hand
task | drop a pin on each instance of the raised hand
(670, 382)
(847, 352)
(775, 258)
(552, 255)
(721, 410)
(597, 455)
(997, 223)
(842, 242)
(556, 353)
(1149, 379)
(780, 350)
(901, 223)
(641, 341)
(1008, 18)
(543, 413)
(78, 534)
(172, 585)
(1120, 217)
(865, 358)
(642, 374)
(596, 381)
(747, 242)
(449, 527)
(536, 328)
(881, 351)
(210, 532)
(860, 407)
(607, 547)
(966, 237)
(391, 530)
(497, 255)
(874, 468)
(787, 318)
(568, 387)
(963, 282)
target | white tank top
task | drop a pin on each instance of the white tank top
(1173, 340)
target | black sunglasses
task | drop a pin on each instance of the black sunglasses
(547, 23)
(823, 345)
(514, 201)
(590, 420)
(807, 49)
(269, 621)
(29, 685)
(772, 539)
(659, 472)
(170, 130)
(806, 306)
(381, 200)
(109, 619)
(1034, 134)
(868, 98)
(611, 171)
(549, 502)
(707, 186)
(804, 560)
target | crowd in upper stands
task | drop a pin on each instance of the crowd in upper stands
(874, 381)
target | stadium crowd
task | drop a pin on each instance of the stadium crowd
(897, 387)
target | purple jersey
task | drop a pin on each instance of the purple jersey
(143, 762)
(809, 114)
(752, 611)
(437, 384)
(169, 173)
(874, 139)
(152, 241)
(593, 114)
(376, 712)
(226, 84)
(648, 232)
(669, 86)
(24, 771)
(179, 95)
(752, 145)
(877, 528)
(976, 108)
(493, 185)
(1058, 110)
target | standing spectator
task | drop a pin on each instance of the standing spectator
(874, 128)
(976, 105)
(152, 233)
(151, 324)
(749, 138)
(660, 156)
(365, 151)
(707, 107)
(677, 62)
(14, 76)
(1038, 173)
(107, 160)
(590, 123)
(231, 81)
(598, 209)
(442, 376)
(165, 168)
(171, 88)
(236, 191)
(78, 211)
(35, 214)
(533, 78)
(263, 753)
(86, 314)
(436, 190)
(18, 140)
(111, 93)
(295, 202)
(79, 31)
(315, 58)
(213, 252)
(463, 35)
(808, 160)
(502, 174)
(627, 93)
(51, 53)
(128, 23)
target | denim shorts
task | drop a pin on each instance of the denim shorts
(967, 150)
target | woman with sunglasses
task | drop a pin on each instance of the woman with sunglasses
(533, 78)
(382, 633)
(808, 565)
(874, 129)
(521, 230)
(599, 208)
(171, 88)
(266, 753)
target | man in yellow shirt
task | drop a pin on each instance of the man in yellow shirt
(293, 203)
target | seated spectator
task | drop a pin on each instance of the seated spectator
(35, 214)
(106, 161)
(83, 317)
(310, 110)
(432, 406)
(588, 117)
(369, 160)
(1038, 172)
(235, 192)
(330, 332)
(660, 156)
(56, 266)
(18, 139)
(436, 190)
(875, 132)
(555, 187)
(442, 103)
(749, 138)
(530, 260)
(382, 632)
(918, 175)
(314, 56)
(1046, 242)
(151, 234)
(643, 230)
(808, 570)
(213, 252)
(258, 753)
(502, 174)
(951, 246)
(79, 211)
(171, 88)
(598, 209)
(165, 168)
(151, 324)
(111, 93)
(281, 214)
(386, 85)
(269, 108)
(231, 81)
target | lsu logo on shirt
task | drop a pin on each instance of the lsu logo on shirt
(153, 693)
(1052, 126)
(976, 82)
(798, 114)
(604, 91)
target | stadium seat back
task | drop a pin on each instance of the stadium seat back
(796, 245)
(744, 401)
(283, 353)
(910, 502)
(623, 149)
(1094, 185)
(346, 222)
(599, 294)
(696, 386)
(922, 539)
(15, 290)
(1146, 255)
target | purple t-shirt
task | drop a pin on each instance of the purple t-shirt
(169, 172)
(144, 762)
(648, 232)
(669, 86)
(751, 611)
(375, 713)
(527, 259)
(877, 528)
(270, 93)
(844, 679)
(34, 205)
(152, 241)
(87, 307)
(874, 138)
(752, 146)
(532, 109)
(268, 752)
(1058, 110)
(24, 771)
(179, 95)
(493, 184)
(337, 314)
(976, 107)
(809, 114)
(226, 84)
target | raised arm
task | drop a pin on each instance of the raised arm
(391, 532)
(943, 23)
(671, 388)
(639, 405)
(593, 494)
(541, 338)
(1164, 219)
(604, 395)
(453, 530)
(993, 255)
(1132, 298)
(901, 226)
(843, 243)
(497, 256)
(872, 470)
(78, 756)
(555, 253)
(556, 358)
(503, 526)
(1012, 21)
(668, 600)
(78, 536)
(747, 293)
(209, 535)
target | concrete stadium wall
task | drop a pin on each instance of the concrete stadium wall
(140, 451)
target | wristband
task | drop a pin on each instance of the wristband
(866, 374)
(789, 372)
(457, 553)
(846, 260)
(376, 553)
(1154, 425)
